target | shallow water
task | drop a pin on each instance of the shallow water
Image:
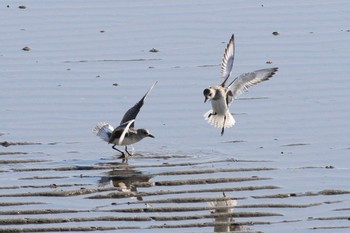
(285, 160)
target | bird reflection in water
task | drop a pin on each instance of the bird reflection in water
(223, 216)
(126, 180)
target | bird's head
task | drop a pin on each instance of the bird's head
(144, 133)
(208, 94)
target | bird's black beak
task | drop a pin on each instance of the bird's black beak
(206, 93)
(150, 135)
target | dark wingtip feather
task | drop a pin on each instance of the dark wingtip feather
(273, 72)
(233, 36)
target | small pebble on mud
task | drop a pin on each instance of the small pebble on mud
(26, 48)
(153, 50)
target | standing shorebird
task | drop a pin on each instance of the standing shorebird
(222, 96)
(125, 134)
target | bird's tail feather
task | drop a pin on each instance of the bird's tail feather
(103, 130)
(219, 120)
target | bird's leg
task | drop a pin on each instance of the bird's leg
(126, 149)
(210, 114)
(123, 154)
(223, 126)
(125, 157)
(222, 131)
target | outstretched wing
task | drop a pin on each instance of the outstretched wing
(131, 114)
(227, 60)
(244, 81)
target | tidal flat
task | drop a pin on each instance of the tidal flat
(66, 65)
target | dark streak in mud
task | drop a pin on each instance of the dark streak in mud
(43, 177)
(58, 193)
(19, 203)
(330, 228)
(21, 221)
(207, 181)
(40, 211)
(206, 171)
(6, 143)
(23, 161)
(235, 141)
(323, 192)
(204, 66)
(296, 144)
(13, 153)
(342, 209)
(116, 60)
(43, 186)
(330, 218)
(212, 224)
(280, 205)
(63, 229)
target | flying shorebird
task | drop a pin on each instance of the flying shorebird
(125, 134)
(222, 96)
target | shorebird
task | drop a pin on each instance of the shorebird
(125, 134)
(221, 96)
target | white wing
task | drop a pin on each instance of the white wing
(227, 60)
(124, 132)
(103, 130)
(244, 81)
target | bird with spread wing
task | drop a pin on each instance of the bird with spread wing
(126, 133)
(221, 96)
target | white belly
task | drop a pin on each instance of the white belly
(219, 106)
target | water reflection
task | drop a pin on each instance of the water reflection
(223, 216)
(126, 180)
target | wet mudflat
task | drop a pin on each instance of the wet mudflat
(283, 167)
(165, 193)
